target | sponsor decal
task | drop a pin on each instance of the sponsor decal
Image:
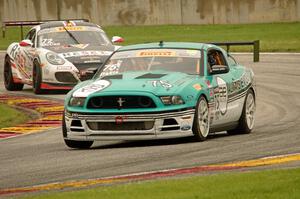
(85, 53)
(49, 42)
(158, 53)
(208, 83)
(220, 97)
(119, 119)
(91, 88)
(163, 83)
(211, 92)
(71, 28)
(197, 87)
(81, 46)
(111, 68)
(185, 127)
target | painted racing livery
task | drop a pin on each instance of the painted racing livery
(165, 90)
(56, 56)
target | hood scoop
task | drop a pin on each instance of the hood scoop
(150, 76)
(112, 77)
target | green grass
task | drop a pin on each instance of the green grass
(274, 37)
(262, 184)
(11, 117)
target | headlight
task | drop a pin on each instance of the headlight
(54, 59)
(77, 101)
(173, 99)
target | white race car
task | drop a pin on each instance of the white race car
(56, 56)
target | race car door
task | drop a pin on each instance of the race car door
(26, 56)
(224, 108)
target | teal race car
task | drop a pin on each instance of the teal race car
(161, 90)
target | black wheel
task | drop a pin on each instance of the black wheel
(37, 78)
(74, 143)
(246, 122)
(201, 120)
(8, 78)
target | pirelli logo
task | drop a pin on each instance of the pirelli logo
(156, 54)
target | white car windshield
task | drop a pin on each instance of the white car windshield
(74, 35)
(173, 60)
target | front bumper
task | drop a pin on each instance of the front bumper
(129, 127)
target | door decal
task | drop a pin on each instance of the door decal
(221, 97)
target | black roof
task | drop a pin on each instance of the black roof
(53, 24)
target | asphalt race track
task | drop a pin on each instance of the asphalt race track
(43, 158)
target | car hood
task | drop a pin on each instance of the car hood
(156, 82)
(83, 53)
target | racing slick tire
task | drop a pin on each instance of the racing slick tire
(8, 78)
(37, 78)
(201, 123)
(74, 143)
(246, 121)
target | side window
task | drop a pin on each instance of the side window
(215, 57)
(31, 35)
(231, 60)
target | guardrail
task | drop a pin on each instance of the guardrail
(30, 23)
(255, 45)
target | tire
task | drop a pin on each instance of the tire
(74, 143)
(246, 122)
(201, 120)
(8, 78)
(37, 78)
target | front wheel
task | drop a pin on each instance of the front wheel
(74, 143)
(247, 119)
(9, 83)
(201, 120)
(37, 79)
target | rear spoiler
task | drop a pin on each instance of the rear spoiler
(32, 23)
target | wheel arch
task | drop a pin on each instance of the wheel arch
(253, 90)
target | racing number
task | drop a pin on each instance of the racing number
(14, 51)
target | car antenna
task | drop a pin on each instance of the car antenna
(161, 43)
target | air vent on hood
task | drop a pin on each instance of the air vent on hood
(112, 77)
(150, 76)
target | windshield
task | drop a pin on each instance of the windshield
(74, 35)
(173, 60)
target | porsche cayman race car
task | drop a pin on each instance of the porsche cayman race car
(56, 55)
(161, 90)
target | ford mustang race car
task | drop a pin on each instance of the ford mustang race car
(161, 90)
(56, 55)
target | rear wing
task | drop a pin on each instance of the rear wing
(32, 23)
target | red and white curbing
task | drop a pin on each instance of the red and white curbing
(51, 115)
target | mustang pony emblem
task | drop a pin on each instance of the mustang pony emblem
(120, 101)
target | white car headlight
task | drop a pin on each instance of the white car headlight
(172, 99)
(77, 101)
(54, 59)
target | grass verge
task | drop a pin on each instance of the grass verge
(274, 37)
(10, 116)
(259, 184)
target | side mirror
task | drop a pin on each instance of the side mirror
(117, 39)
(25, 43)
(218, 69)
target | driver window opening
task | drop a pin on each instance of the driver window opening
(215, 57)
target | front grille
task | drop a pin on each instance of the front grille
(65, 77)
(124, 126)
(121, 102)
